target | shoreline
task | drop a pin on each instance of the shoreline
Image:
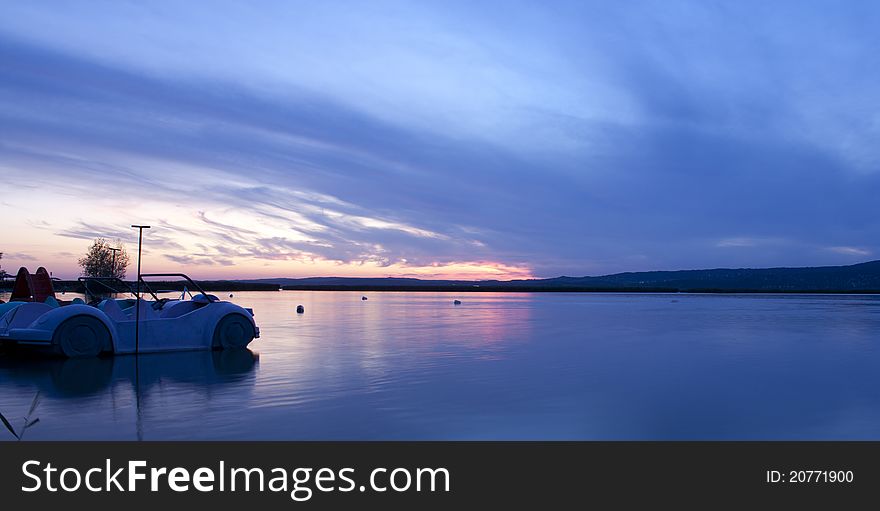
(217, 286)
(576, 290)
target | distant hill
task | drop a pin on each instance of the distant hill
(856, 278)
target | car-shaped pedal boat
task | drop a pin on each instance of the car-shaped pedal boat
(146, 325)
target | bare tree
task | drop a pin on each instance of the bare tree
(105, 259)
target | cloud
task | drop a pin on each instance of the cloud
(19, 256)
(750, 242)
(737, 242)
(197, 260)
(583, 139)
(850, 251)
(90, 232)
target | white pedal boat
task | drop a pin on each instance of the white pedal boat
(201, 322)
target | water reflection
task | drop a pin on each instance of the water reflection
(66, 378)
(123, 397)
(498, 366)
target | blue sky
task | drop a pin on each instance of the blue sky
(444, 139)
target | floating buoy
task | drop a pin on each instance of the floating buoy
(300, 309)
(363, 298)
(456, 302)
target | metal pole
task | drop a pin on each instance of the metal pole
(137, 311)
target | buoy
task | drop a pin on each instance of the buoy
(300, 309)
(363, 298)
(456, 302)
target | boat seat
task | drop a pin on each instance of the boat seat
(23, 288)
(203, 298)
(113, 311)
(43, 288)
(177, 309)
(146, 312)
(125, 303)
(25, 314)
(8, 306)
(35, 287)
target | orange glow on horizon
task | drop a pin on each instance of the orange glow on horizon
(63, 265)
(211, 243)
(470, 270)
(253, 269)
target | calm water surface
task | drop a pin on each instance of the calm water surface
(498, 366)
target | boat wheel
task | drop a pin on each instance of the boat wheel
(233, 331)
(81, 336)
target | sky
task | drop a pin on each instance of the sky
(443, 139)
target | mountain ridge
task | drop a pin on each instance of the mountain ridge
(860, 277)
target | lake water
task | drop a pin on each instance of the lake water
(498, 366)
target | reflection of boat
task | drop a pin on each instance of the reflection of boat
(34, 317)
(86, 376)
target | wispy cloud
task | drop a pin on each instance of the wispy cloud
(746, 242)
(18, 256)
(850, 251)
(737, 242)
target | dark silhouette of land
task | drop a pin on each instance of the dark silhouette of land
(856, 278)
